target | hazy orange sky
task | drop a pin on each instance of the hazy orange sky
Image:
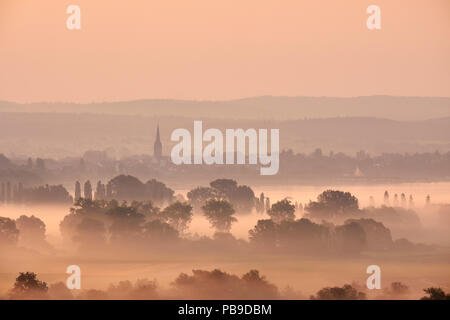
(211, 49)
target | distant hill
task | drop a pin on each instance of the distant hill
(265, 107)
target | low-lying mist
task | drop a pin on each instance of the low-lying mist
(135, 250)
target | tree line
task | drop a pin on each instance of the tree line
(203, 284)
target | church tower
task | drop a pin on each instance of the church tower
(157, 147)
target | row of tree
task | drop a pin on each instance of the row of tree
(203, 284)
(400, 201)
(48, 194)
(101, 222)
(94, 223)
(128, 188)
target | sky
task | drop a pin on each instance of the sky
(220, 50)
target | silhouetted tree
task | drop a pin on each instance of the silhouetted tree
(198, 196)
(403, 200)
(150, 211)
(428, 200)
(226, 186)
(303, 235)
(9, 234)
(85, 208)
(88, 190)
(435, 294)
(77, 190)
(126, 223)
(47, 194)
(282, 210)
(32, 231)
(100, 191)
(242, 197)
(264, 233)
(131, 188)
(179, 215)
(300, 235)
(411, 202)
(28, 286)
(260, 206)
(386, 198)
(258, 286)
(331, 203)
(350, 238)
(158, 192)
(221, 285)
(220, 214)
(347, 292)
(377, 236)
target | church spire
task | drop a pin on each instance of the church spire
(157, 147)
